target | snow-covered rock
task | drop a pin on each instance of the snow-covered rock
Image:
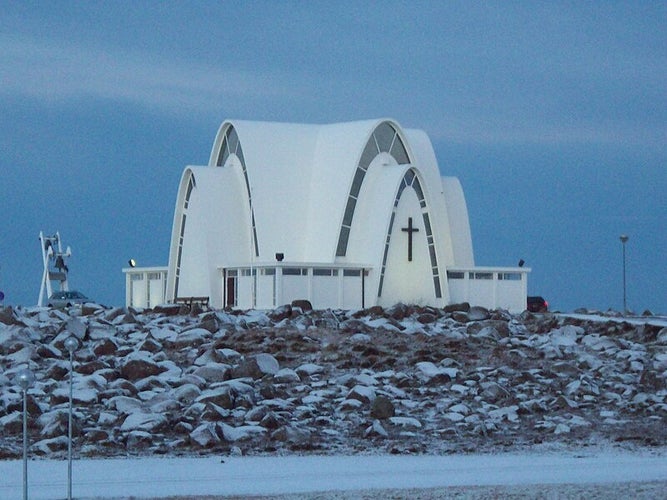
(241, 432)
(402, 380)
(143, 421)
(426, 371)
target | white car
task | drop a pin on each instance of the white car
(67, 299)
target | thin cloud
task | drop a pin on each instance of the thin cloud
(50, 73)
(473, 131)
(61, 73)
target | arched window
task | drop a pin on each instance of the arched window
(384, 139)
(410, 180)
(186, 202)
(232, 146)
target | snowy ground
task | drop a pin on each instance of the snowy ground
(660, 321)
(610, 473)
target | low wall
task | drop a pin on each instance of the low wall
(493, 288)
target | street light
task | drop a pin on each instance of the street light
(71, 343)
(25, 379)
(624, 239)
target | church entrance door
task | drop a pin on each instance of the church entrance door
(230, 299)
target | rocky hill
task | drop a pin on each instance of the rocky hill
(292, 380)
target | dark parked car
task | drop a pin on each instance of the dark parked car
(67, 299)
(537, 304)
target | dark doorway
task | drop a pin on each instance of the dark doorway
(231, 291)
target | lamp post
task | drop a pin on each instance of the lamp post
(25, 378)
(71, 343)
(624, 239)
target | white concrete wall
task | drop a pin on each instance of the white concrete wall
(325, 291)
(266, 290)
(218, 231)
(408, 281)
(509, 294)
(458, 223)
(371, 222)
(427, 166)
(156, 289)
(140, 291)
(351, 292)
(339, 148)
(340, 289)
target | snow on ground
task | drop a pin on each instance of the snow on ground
(329, 475)
(660, 321)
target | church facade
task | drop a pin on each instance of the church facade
(346, 215)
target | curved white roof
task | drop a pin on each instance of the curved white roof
(304, 173)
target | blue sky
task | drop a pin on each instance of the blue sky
(552, 114)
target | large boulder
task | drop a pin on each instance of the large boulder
(256, 367)
(382, 408)
(362, 393)
(213, 372)
(280, 313)
(267, 364)
(461, 307)
(205, 435)
(302, 304)
(478, 313)
(139, 440)
(8, 317)
(293, 436)
(136, 369)
(220, 396)
(139, 421)
(105, 347)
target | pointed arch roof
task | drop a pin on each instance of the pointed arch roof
(299, 175)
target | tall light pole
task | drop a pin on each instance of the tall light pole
(71, 343)
(25, 378)
(624, 239)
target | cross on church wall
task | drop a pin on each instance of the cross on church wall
(410, 230)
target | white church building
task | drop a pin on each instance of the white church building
(345, 215)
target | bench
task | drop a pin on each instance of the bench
(191, 301)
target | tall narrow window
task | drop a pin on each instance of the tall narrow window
(232, 146)
(181, 237)
(384, 139)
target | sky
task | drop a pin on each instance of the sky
(553, 115)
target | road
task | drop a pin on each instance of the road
(244, 476)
